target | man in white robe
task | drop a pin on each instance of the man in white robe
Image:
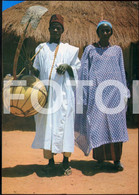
(55, 128)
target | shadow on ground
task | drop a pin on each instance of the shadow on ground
(25, 170)
(88, 168)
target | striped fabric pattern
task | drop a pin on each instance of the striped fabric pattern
(111, 151)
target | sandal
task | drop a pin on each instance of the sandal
(67, 171)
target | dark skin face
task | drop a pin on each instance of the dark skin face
(56, 31)
(55, 34)
(104, 33)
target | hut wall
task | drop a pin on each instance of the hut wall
(126, 55)
(8, 52)
(133, 74)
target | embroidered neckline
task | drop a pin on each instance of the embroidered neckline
(103, 47)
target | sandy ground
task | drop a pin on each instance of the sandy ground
(23, 169)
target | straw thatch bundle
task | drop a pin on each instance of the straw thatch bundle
(81, 19)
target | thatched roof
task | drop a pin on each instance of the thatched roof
(81, 19)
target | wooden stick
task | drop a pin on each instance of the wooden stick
(36, 54)
(18, 50)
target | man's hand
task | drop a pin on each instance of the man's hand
(62, 68)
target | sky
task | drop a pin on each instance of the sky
(6, 4)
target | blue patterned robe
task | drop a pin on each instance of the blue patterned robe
(94, 127)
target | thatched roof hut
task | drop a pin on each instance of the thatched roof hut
(81, 19)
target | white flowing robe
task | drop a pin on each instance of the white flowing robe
(55, 130)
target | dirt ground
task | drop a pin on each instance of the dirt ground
(23, 169)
